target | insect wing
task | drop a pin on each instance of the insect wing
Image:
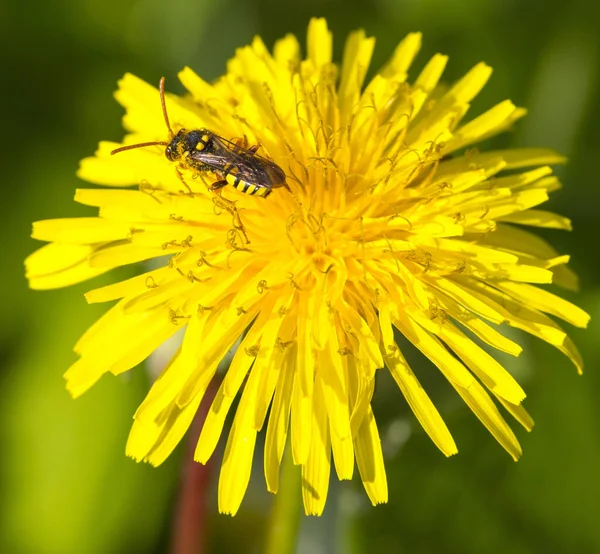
(243, 153)
(222, 155)
(254, 167)
(212, 160)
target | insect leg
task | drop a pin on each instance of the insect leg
(228, 205)
(217, 185)
(180, 177)
(242, 145)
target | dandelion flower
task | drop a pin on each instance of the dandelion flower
(390, 223)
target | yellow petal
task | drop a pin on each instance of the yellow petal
(129, 287)
(352, 319)
(427, 81)
(106, 350)
(316, 470)
(539, 218)
(121, 253)
(319, 42)
(306, 357)
(237, 459)
(301, 422)
(518, 181)
(421, 405)
(144, 112)
(286, 50)
(60, 265)
(545, 301)
(173, 430)
(215, 419)
(200, 90)
(487, 369)
(357, 56)
(483, 407)
(479, 328)
(466, 298)
(219, 336)
(369, 459)
(275, 341)
(483, 126)
(278, 422)
(454, 370)
(570, 350)
(519, 413)
(402, 58)
(129, 168)
(80, 230)
(517, 158)
(523, 317)
(332, 380)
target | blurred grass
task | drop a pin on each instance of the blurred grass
(65, 483)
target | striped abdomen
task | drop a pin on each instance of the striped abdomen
(236, 179)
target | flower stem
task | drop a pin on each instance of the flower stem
(284, 522)
(189, 522)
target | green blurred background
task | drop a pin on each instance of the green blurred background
(65, 483)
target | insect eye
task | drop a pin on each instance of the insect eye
(169, 153)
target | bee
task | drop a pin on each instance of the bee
(235, 164)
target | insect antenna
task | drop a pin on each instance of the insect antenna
(161, 87)
(140, 145)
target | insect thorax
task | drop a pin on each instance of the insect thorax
(186, 142)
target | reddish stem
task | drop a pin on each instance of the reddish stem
(189, 528)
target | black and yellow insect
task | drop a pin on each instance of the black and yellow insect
(235, 164)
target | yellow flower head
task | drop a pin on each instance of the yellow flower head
(386, 223)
